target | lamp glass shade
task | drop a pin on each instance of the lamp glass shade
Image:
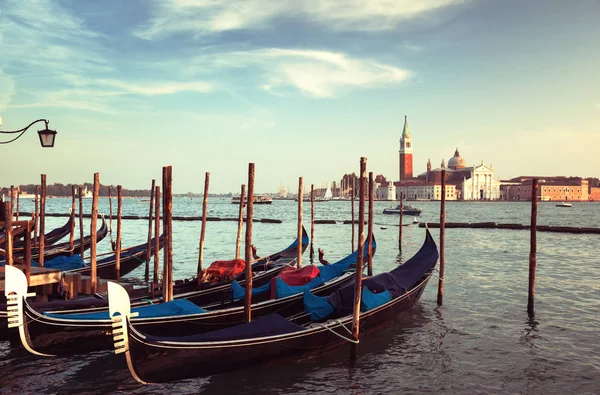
(47, 137)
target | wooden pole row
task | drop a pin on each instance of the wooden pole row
(248, 254)
(168, 233)
(42, 221)
(360, 242)
(203, 227)
(148, 253)
(440, 296)
(72, 234)
(93, 231)
(299, 247)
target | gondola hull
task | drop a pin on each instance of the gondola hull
(159, 362)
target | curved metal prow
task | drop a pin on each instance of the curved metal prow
(119, 309)
(16, 291)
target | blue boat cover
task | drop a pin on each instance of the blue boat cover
(173, 308)
(370, 300)
(268, 325)
(317, 306)
(326, 273)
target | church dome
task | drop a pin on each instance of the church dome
(456, 162)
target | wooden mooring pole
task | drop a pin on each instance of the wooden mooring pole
(119, 225)
(17, 211)
(203, 227)
(93, 232)
(156, 237)
(248, 249)
(240, 222)
(299, 247)
(12, 200)
(532, 247)
(82, 246)
(168, 231)
(440, 296)
(360, 247)
(149, 250)
(370, 229)
(400, 223)
(110, 211)
(352, 213)
(42, 241)
(312, 221)
(8, 233)
(36, 230)
(28, 252)
(72, 234)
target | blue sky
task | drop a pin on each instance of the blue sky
(301, 88)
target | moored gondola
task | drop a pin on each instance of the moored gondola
(56, 332)
(162, 359)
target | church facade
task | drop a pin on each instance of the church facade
(463, 182)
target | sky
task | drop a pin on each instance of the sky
(300, 88)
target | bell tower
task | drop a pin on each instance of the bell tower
(406, 159)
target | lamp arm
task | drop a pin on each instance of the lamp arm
(26, 127)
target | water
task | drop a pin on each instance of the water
(480, 341)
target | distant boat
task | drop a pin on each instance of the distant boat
(406, 210)
(563, 204)
(325, 198)
(258, 199)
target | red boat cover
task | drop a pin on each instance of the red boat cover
(294, 277)
(223, 270)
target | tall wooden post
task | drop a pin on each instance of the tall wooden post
(37, 218)
(168, 231)
(148, 251)
(81, 247)
(17, 210)
(8, 233)
(361, 243)
(370, 229)
(240, 222)
(312, 221)
(119, 225)
(156, 236)
(352, 212)
(299, 255)
(532, 247)
(203, 228)
(110, 211)
(93, 231)
(440, 296)
(400, 221)
(28, 252)
(72, 235)
(248, 255)
(42, 243)
(12, 200)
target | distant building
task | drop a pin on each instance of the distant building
(550, 188)
(406, 159)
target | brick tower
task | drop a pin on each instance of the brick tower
(406, 159)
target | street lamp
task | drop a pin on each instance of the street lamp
(46, 135)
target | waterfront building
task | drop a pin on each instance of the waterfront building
(550, 188)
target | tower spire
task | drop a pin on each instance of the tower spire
(405, 131)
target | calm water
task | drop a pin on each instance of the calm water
(480, 341)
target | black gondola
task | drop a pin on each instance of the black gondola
(162, 359)
(53, 332)
(50, 238)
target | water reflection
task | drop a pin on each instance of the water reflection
(531, 332)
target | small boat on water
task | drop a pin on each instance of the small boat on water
(563, 204)
(258, 199)
(406, 210)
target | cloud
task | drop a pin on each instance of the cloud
(158, 88)
(315, 73)
(7, 90)
(207, 16)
